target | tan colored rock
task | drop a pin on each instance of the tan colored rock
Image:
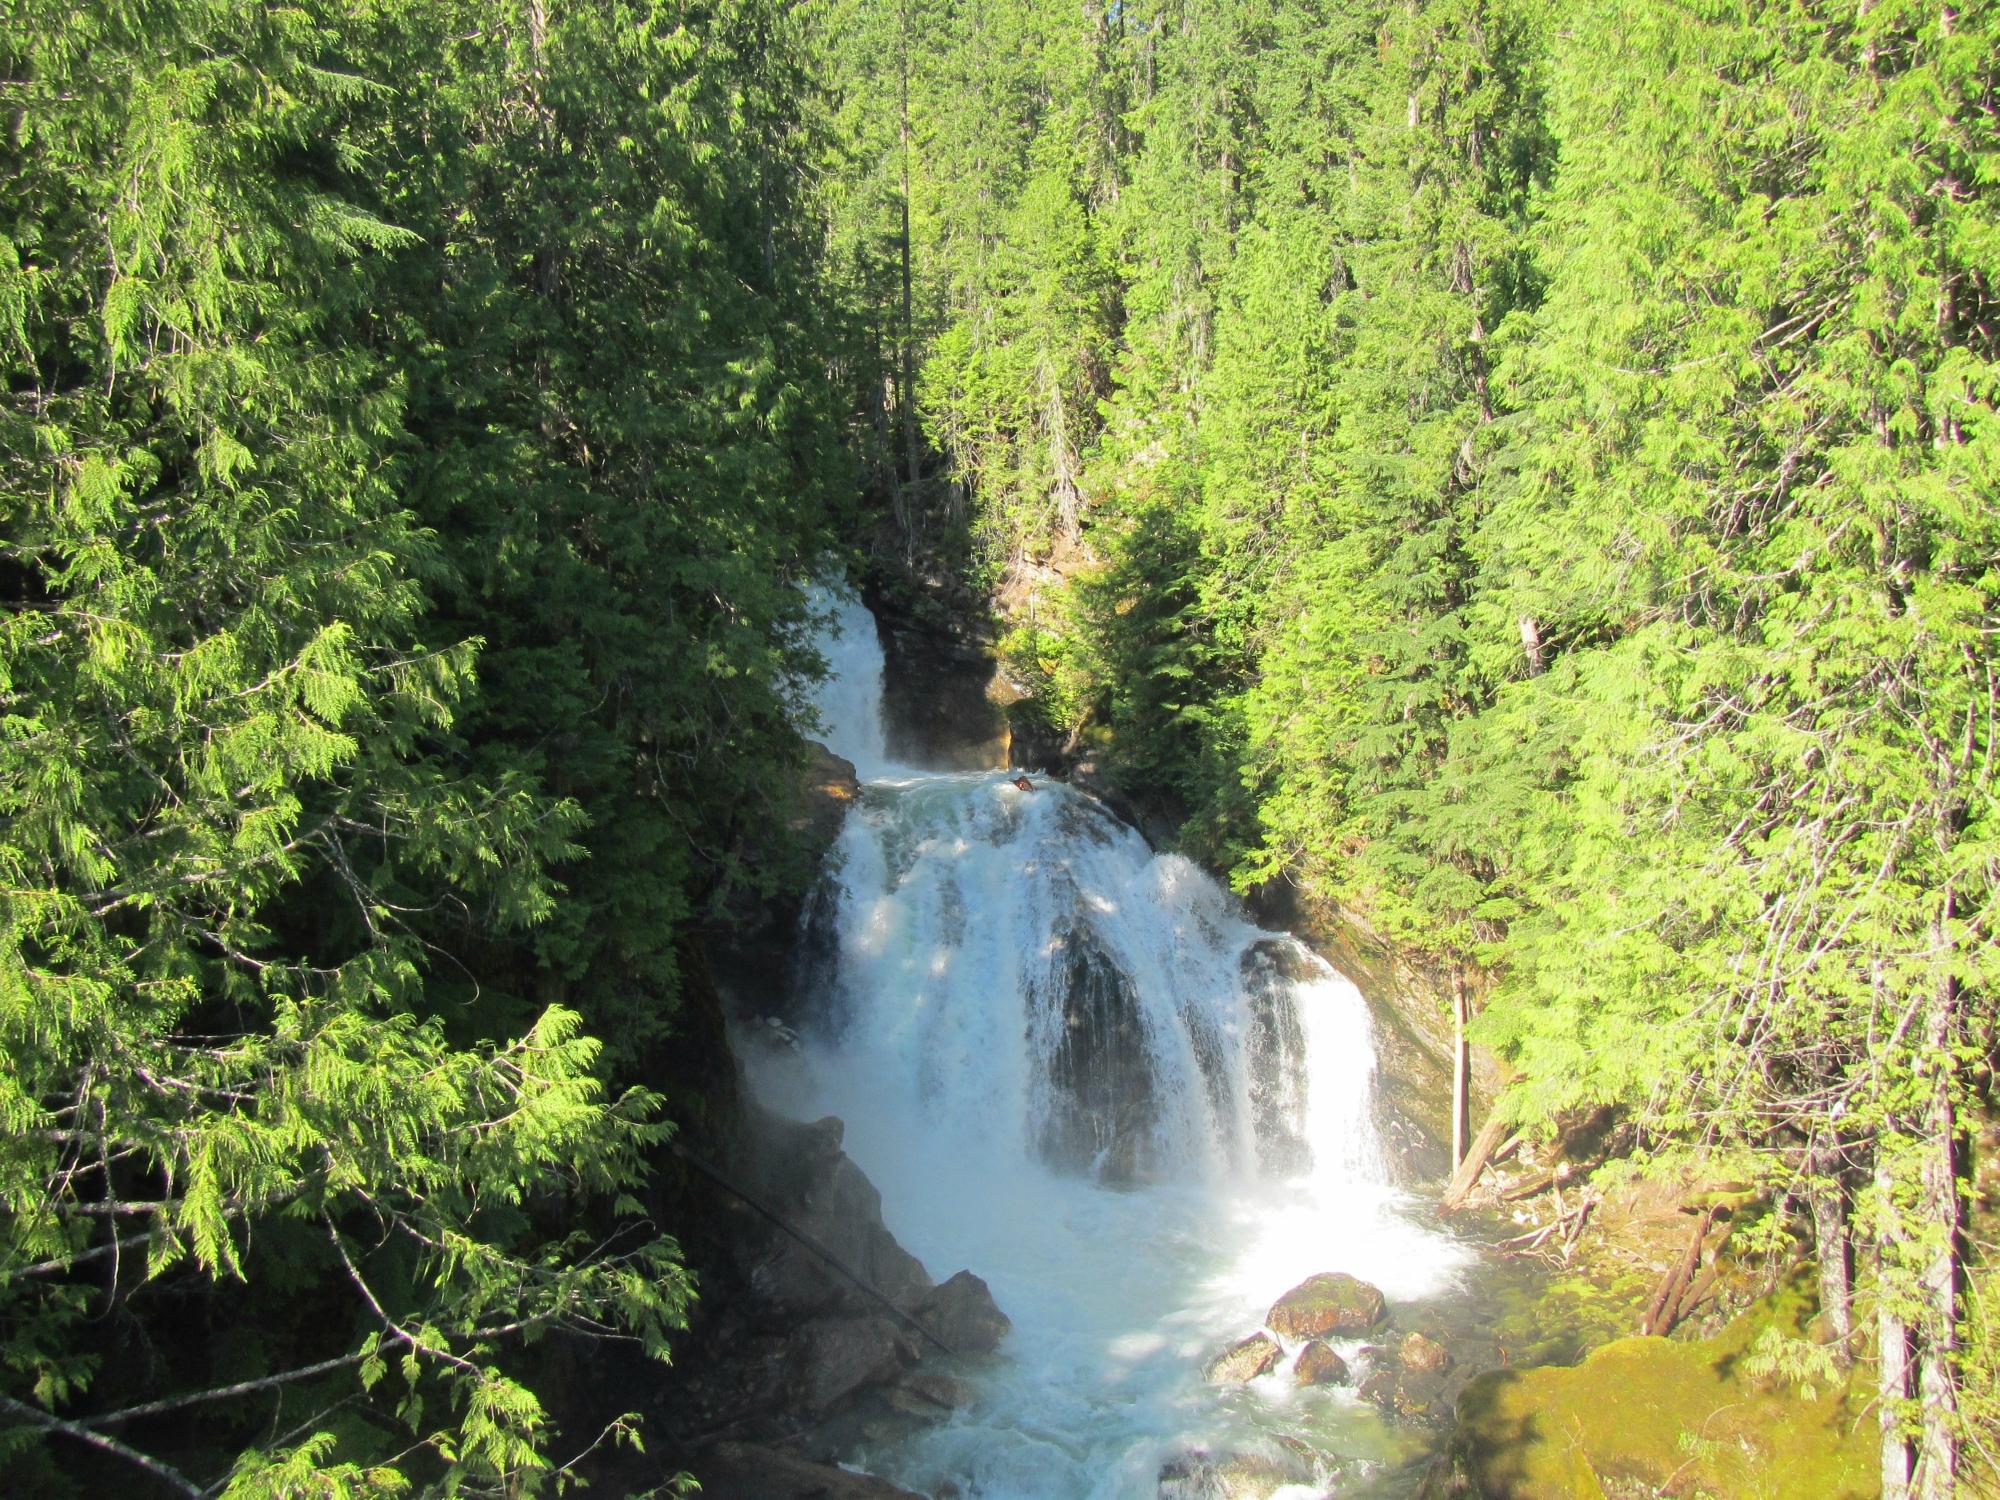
(1417, 1352)
(1244, 1360)
(1331, 1302)
(1319, 1365)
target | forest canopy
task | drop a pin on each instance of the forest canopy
(1521, 472)
(416, 428)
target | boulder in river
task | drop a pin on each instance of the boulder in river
(1244, 1360)
(963, 1315)
(1319, 1365)
(1418, 1352)
(1331, 1302)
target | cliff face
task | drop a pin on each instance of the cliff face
(943, 699)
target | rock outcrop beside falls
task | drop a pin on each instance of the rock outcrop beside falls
(943, 697)
(802, 1173)
(821, 1329)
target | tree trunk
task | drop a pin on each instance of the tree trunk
(1892, 1380)
(1832, 1247)
(1531, 645)
(1937, 1447)
(1461, 1072)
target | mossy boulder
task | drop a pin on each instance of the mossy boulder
(1329, 1303)
(1319, 1365)
(1642, 1413)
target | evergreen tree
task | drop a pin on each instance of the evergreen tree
(415, 434)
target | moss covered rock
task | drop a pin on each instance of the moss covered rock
(1655, 1416)
(1329, 1303)
(1319, 1365)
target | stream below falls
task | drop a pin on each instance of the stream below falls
(1076, 1067)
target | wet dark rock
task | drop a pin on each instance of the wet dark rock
(834, 1358)
(745, 1471)
(1413, 1396)
(1099, 1073)
(801, 1173)
(1331, 1302)
(929, 1395)
(1421, 1399)
(1244, 1360)
(1319, 1365)
(830, 787)
(1158, 817)
(760, 964)
(963, 1316)
(942, 701)
(809, 996)
(1201, 1475)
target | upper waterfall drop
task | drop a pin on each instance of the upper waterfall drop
(1076, 1066)
(848, 699)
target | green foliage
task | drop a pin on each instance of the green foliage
(1045, 663)
(414, 432)
(1789, 1361)
(1540, 496)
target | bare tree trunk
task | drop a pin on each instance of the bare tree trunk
(1892, 1380)
(1832, 1246)
(1531, 645)
(1937, 1447)
(538, 34)
(1461, 1072)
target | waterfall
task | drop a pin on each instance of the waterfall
(849, 698)
(1077, 1067)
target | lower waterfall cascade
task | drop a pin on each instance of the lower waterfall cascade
(1077, 1067)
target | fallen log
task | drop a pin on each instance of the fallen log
(1692, 1297)
(1666, 1301)
(1467, 1176)
(1537, 1185)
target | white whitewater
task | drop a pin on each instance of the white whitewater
(1074, 1066)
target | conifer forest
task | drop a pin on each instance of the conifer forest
(1519, 476)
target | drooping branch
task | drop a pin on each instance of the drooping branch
(166, 1474)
